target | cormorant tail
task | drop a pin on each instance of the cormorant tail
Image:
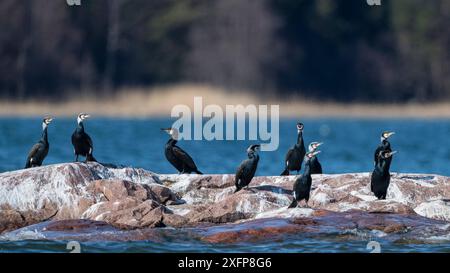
(285, 172)
(293, 204)
(198, 172)
(237, 189)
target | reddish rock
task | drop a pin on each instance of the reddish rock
(135, 199)
(74, 225)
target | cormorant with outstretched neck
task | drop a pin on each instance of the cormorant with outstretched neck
(385, 145)
(302, 185)
(294, 157)
(380, 176)
(177, 156)
(39, 151)
(246, 171)
(316, 167)
(81, 141)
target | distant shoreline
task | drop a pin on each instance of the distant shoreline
(158, 102)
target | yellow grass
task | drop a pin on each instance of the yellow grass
(159, 102)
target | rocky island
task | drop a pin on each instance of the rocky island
(94, 202)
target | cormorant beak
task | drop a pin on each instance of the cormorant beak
(48, 120)
(387, 135)
(317, 145)
(167, 130)
(391, 153)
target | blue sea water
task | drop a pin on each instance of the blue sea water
(422, 146)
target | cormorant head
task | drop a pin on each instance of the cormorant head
(314, 146)
(173, 132)
(82, 117)
(310, 155)
(254, 148)
(300, 127)
(386, 134)
(46, 121)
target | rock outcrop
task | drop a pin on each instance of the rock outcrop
(129, 199)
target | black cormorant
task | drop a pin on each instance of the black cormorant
(294, 157)
(82, 142)
(177, 156)
(384, 146)
(380, 176)
(302, 185)
(246, 171)
(316, 167)
(39, 151)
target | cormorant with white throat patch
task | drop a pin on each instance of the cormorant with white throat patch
(246, 171)
(39, 151)
(181, 160)
(294, 157)
(81, 141)
(302, 185)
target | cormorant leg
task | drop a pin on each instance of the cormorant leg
(76, 157)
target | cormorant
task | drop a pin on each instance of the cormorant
(380, 176)
(316, 167)
(246, 171)
(177, 156)
(295, 155)
(302, 185)
(39, 151)
(82, 142)
(384, 146)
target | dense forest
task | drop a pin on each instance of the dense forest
(343, 50)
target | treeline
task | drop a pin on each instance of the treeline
(340, 50)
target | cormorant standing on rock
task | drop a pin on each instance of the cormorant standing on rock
(246, 171)
(294, 157)
(384, 146)
(380, 176)
(39, 151)
(302, 185)
(82, 142)
(177, 156)
(316, 167)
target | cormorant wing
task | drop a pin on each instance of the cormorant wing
(377, 152)
(288, 155)
(246, 169)
(89, 140)
(244, 172)
(183, 156)
(240, 170)
(34, 150)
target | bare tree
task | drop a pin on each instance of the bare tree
(112, 43)
(233, 45)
